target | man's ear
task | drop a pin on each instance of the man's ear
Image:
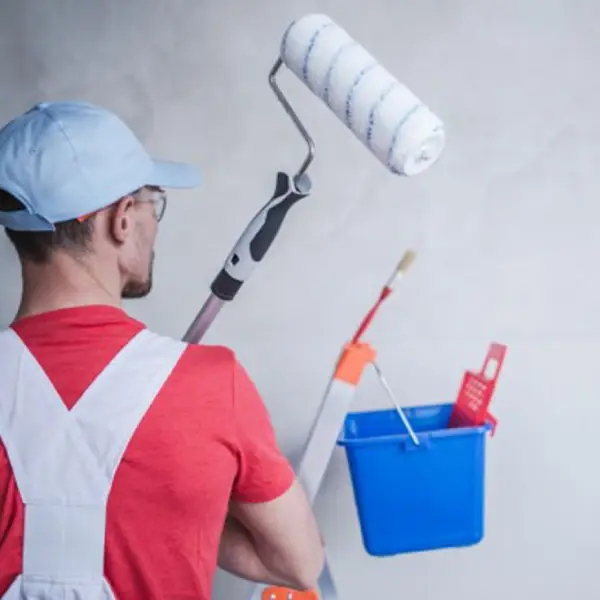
(121, 219)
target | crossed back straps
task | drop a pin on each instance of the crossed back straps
(64, 462)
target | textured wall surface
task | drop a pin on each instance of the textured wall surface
(504, 226)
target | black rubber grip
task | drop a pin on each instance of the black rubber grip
(264, 237)
(225, 286)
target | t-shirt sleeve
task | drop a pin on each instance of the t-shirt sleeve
(264, 472)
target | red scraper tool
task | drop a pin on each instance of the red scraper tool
(476, 391)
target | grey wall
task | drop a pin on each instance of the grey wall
(504, 226)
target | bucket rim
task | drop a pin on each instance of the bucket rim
(444, 432)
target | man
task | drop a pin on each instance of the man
(129, 463)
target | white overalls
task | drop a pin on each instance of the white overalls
(64, 461)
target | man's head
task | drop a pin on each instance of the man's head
(75, 182)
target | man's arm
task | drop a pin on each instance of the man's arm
(276, 542)
(271, 535)
(241, 555)
(238, 556)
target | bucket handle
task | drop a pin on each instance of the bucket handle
(395, 402)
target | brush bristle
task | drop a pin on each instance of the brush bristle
(406, 261)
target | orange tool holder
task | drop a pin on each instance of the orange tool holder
(353, 362)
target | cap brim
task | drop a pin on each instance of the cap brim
(167, 174)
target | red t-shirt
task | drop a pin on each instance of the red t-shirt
(206, 438)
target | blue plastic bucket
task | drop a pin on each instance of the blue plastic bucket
(413, 498)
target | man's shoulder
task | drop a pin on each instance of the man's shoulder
(197, 355)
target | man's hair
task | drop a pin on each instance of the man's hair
(38, 246)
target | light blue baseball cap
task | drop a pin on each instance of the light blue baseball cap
(63, 160)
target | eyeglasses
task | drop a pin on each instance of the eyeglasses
(158, 198)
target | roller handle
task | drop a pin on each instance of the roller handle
(257, 238)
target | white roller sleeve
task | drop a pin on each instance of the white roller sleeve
(383, 113)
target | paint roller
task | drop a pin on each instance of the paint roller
(399, 129)
(395, 125)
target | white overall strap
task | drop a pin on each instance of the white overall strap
(64, 461)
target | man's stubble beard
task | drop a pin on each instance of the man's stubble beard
(139, 289)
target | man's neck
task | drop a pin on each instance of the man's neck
(65, 282)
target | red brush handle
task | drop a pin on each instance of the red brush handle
(369, 317)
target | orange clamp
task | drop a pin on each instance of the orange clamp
(280, 593)
(351, 365)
